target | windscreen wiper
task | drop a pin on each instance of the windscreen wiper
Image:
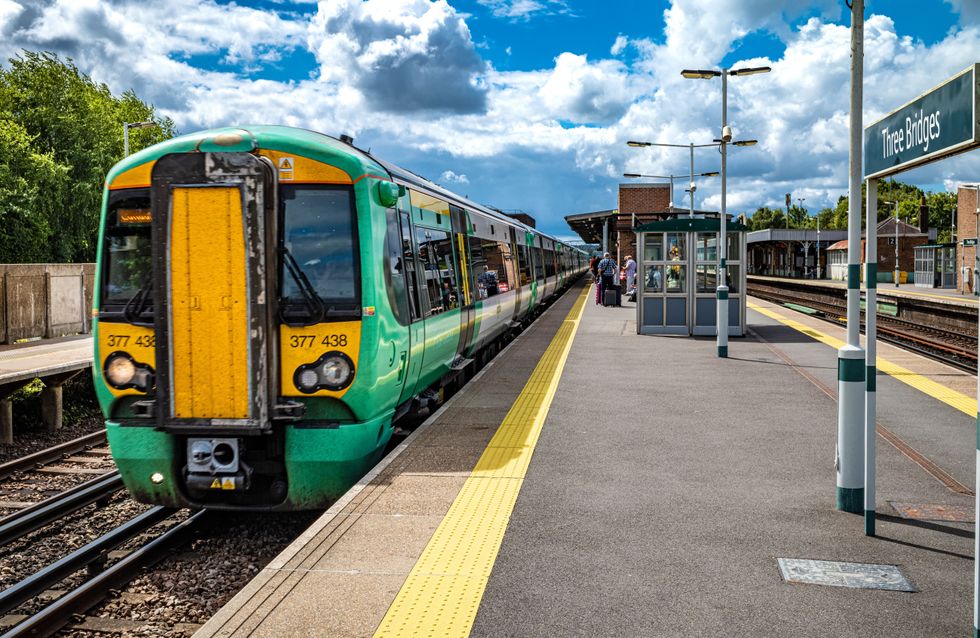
(312, 301)
(139, 303)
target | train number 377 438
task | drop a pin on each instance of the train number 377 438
(121, 341)
(306, 341)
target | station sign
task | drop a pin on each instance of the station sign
(970, 242)
(937, 124)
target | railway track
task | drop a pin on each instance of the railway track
(66, 608)
(50, 455)
(951, 346)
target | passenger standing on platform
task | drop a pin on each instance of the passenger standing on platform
(607, 271)
(594, 269)
(630, 273)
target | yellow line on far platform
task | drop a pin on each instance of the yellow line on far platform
(965, 404)
(442, 593)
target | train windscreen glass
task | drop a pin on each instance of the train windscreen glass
(319, 274)
(127, 252)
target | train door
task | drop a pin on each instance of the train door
(211, 216)
(467, 305)
(418, 303)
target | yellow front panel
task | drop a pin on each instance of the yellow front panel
(138, 177)
(306, 344)
(209, 303)
(137, 341)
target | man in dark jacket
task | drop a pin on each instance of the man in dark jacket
(608, 271)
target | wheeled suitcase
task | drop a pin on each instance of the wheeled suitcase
(609, 297)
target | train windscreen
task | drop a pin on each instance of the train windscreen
(127, 252)
(318, 252)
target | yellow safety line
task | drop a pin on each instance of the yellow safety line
(963, 403)
(442, 593)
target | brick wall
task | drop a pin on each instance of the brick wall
(966, 227)
(646, 202)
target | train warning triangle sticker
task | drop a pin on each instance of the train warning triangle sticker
(286, 164)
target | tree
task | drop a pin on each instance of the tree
(70, 129)
(766, 217)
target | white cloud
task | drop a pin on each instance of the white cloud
(402, 55)
(405, 78)
(619, 45)
(525, 9)
(450, 177)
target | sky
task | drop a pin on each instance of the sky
(527, 104)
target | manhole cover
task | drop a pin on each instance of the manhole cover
(837, 574)
(934, 512)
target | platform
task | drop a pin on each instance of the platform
(593, 482)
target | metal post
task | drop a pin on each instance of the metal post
(871, 347)
(976, 234)
(806, 244)
(850, 357)
(818, 245)
(670, 205)
(605, 235)
(125, 139)
(692, 181)
(896, 244)
(721, 295)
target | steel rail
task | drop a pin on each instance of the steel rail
(54, 453)
(59, 613)
(18, 524)
(94, 551)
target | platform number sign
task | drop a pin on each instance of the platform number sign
(970, 242)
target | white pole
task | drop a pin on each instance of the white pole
(850, 357)
(818, 244)
(125, 139)
(871, 346)
(896, 242)
(721, 295)
(692, 180)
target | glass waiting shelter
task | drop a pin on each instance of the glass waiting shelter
(935, 266)
(678, 276)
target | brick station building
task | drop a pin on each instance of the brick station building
(639, 204)
(966, 228)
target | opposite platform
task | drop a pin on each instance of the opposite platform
(664, 484)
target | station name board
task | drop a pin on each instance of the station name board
(937, 124)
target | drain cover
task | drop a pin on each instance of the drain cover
(836, 574)
(934, 512)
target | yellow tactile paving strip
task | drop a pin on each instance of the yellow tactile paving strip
(442, 593)
(949, 396)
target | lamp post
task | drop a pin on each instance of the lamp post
(672, 178)
(818, 244)
(129, 125)
(690, 146)
(726, 138)
(806, 244)
(896, 242)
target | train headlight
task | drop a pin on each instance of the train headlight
(120, 369)
(333, 371)
(336, 371)
(307, 379)
(122, 372)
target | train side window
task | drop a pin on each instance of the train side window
(394, 269)
(538, 263)
(524, 264)
(410, 268)
(549, 263)
(439, 268)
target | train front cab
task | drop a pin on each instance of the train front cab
(232, 372)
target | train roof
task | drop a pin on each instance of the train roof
(268, 136)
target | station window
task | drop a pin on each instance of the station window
(676, 278)
(438, 265)
(676, 246)
(653, 279)
(706, 278)
(732, 280)
(734, 254)
(707, 248)
(653, 247)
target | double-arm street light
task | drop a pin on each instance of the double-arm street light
(672, 178)
(690, 146)
(726, 137)
(129, 125)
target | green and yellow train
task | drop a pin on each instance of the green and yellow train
(270, 300)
